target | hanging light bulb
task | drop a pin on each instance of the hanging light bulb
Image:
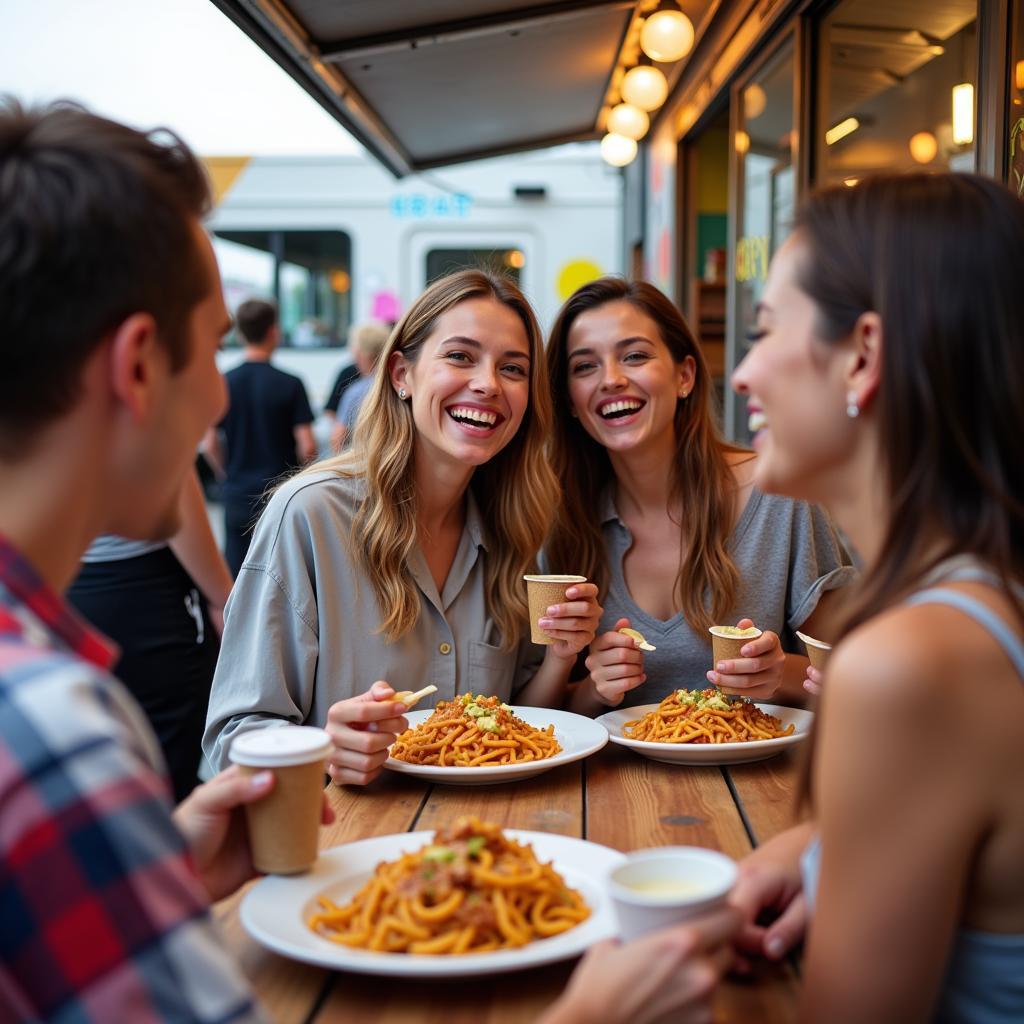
(923, 147)
(741, 142)
(645, 87)
(667, 34)
(617, 150)
(754, 101)
(625, 119)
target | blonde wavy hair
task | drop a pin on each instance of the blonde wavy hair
(701, 479)
(516, 491)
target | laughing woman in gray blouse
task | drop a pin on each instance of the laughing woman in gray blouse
(401, 560)
(663, 515)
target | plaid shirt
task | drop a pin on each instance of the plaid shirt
(102, 917)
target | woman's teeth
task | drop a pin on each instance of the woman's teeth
(757, 421)
(623, 407)
(486, 419)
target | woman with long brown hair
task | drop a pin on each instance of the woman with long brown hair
(886, 384)
(662, 513)
(402, 559)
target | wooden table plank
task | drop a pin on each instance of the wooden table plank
(767, 792)
(551, 802)
(633, 802)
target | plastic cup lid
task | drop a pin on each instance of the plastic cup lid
(279, 746)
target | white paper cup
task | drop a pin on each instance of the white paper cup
(817, 650)
(542, 592)
(284, 827)
(660, 887)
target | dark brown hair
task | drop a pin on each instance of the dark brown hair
(702, 481)
(938, 257)
(94, 226)
(254, 319)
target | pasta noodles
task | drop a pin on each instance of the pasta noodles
(705, 716)
(474, 732)
(471, 891)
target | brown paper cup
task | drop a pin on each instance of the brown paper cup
(725, 648)
(542, 592)
(284, 827)
(817, 650)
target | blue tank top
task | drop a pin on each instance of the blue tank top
(984, 982)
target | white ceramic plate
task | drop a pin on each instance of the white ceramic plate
(274, 911)
(577, 736)
(708, 753)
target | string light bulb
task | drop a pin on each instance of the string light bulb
(625, 119)
(645, 87)
(667, 35)
(618, 150)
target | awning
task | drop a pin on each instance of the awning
(423, 85)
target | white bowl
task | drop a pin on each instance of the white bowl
(656, 888)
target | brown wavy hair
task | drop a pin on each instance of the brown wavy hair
(703, 485)
(515, 491)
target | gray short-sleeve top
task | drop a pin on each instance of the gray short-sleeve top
(301, 624)
(787, 553)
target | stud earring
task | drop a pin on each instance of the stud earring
(852, 408)
(403, 394)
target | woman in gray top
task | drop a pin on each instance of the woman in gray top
(663, 515)
(402, 559)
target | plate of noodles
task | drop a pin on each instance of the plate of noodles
(707, 727)
(470, 899)
(475, 740)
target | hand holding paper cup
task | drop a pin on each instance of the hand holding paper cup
(728, 641)
(542, 592)
(817, 650)
(656, 888)
(284, 827)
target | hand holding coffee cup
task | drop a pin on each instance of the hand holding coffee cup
(564, 612)
(747, 661)
(284, 826)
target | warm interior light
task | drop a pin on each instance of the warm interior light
(923, 147)
(340, 281)
(963, 114)
(1018, 75)
(850, 182)
(645, 87)
(754, 101)
(667, 36)
(617, 150)
(741, 142)
(841, 130)
(625, 119)
(515, 258)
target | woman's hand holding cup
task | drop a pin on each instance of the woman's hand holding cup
(362, 728)
(573, 624)
(758, 672)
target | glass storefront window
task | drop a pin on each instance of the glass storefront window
(763, 141)
(1015, 140)
(502, 261)
(897, 88)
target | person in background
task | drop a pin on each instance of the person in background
(162, 603)
(885, 383)
(368, 341)
(665, 516)
(267, 429)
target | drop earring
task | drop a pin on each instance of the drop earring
(852, 408)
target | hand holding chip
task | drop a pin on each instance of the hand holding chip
(362, 728)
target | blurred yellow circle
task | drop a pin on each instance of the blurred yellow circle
(575, 274)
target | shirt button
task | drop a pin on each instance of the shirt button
(445, 648)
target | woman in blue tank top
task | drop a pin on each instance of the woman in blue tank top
(886, 383)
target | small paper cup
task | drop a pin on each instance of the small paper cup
(284, 827)
(817, 650)
(542, 592)
(725, 647)
(660, 887)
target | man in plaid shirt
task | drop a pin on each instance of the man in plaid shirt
(110, 315)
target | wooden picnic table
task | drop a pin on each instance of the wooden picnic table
(615, 798)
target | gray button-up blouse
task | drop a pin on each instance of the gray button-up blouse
(301, 625)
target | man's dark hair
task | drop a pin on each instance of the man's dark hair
(95, 225)
(254, 318)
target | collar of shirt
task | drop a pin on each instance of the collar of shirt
(474, 521)
(52, 613)
(606, 508)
